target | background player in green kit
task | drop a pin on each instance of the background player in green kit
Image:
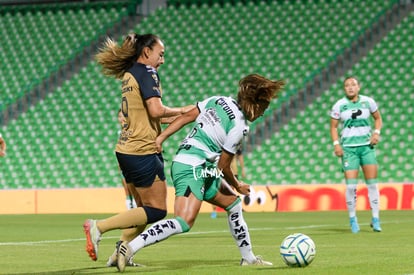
(220, 125)
(356, 147)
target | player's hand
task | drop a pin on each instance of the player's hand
(158, 144)
(243, 188)
(338, 150)
(375, 138)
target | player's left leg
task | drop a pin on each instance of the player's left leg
(127, 235)
(130, 233)
(227, 199)
(370, 170)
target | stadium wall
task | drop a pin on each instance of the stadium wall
(318, 197)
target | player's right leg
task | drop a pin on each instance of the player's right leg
(93, 237)
(350, 196)
(350, 166)
(187, 207)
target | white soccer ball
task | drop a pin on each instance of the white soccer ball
(298, 250)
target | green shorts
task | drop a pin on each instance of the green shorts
(354, 157)
(203, 180)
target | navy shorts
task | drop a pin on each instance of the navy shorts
(141, 171)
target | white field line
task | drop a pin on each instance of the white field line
(189, 233)
(326, 225)
(114, 237)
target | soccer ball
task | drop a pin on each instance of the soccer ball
(297, 250)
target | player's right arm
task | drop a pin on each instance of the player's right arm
(157, 110)
(335, 137)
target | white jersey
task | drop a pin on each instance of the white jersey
(219, 126)
(355, 117)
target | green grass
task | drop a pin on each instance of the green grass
(54, 244)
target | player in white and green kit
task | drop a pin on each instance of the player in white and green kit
(356, 147)
(203, 158)
(219, 126)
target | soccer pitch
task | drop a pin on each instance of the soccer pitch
(55, 244)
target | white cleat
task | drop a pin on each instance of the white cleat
(93, 237)
(113, 259)
(124, 256)
(258, 261)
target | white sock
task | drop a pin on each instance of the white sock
(240, 232)
(373, 195)
(350, 196)
(155, 233)
(130, 203)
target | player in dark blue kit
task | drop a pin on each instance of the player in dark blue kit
(136, 63)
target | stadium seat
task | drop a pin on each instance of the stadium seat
(67, 139)
(49, 38)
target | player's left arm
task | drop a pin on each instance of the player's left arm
(241, 162)
(224, 164)
(377, 127)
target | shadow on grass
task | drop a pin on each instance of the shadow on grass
(87, 270)
(170, 267)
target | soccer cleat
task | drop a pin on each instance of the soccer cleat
(258, 261)
(124, 256)
(354, 224)
(93, 236)
(213, 215)
(375, 224)
(112, 261)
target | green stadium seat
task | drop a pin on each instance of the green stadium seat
(78, 120)
(52, 36)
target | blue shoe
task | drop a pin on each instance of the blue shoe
(375, 224)
(213, 215)
(354, 224)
